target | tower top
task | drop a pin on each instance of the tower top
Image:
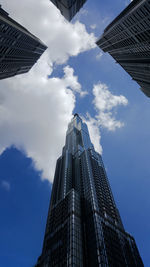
(76, 115)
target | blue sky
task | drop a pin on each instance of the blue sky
(35, 111)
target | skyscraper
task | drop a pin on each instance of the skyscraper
(19, 49)
(68, 8)
(84, 227)
(127, 40)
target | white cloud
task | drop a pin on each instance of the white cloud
(104, 100)
(107, 120)
(99, 55)
(34, 114)
(69, 78)
(5, 185)
(35, 110)
(104, 103)
(93, 26)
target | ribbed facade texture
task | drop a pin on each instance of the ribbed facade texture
(19, 49)
(68, 8)
(127, 40)
(84, 227)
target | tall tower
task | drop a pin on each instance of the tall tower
(19, 49)
(127, 40)
(68, 8)
(84, 227)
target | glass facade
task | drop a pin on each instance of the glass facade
(126, 39)
(19, 49)
(84, 227)
(68, 8)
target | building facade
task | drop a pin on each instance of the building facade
(19, 49)
(84, 227)
(127, 40)
(68, 8)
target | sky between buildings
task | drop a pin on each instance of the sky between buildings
(73, 75)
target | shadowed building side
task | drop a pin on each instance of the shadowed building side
(84, 227)
(68, 8)
(127, 40)
(19, 49)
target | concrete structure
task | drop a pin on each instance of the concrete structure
(68, 8)
(19, 49)
(127, 40)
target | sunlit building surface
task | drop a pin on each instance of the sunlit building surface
(84, 227)
(19, 49)
(68, 8)
(127, 40)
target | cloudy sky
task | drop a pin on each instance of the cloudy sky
(73, 75)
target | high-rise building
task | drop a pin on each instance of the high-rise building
(127, 40)
(68, 8)
(19, 49)
(84, 227)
